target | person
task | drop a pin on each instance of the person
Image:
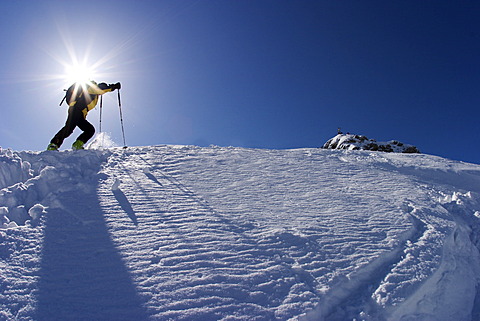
(81, 98)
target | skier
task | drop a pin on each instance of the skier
(81, 98)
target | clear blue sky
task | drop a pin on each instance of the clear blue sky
(268, 74)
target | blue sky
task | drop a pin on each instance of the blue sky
(267, 74)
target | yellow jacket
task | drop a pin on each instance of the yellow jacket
(86, 95)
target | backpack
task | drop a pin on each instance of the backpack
(80, 96)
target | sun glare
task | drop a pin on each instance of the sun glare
(78, 62)
(77, 73)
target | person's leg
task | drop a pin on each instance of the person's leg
(66, 130)
(88, 130)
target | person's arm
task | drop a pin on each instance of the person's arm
(102, 88)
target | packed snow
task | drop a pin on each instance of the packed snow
(225, 233)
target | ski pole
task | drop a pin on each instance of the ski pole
(101, 108)
(121, 119)
(101, 105)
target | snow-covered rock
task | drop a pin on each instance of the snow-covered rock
(360, 142)
(190, 233)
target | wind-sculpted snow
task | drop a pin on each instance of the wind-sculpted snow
(13, 169)
(190, 233)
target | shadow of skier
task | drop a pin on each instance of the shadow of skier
(82, 275)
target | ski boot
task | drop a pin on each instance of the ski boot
(78, 145)
(52, 146)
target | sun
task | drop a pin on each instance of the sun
(82, 61)
(78, 73)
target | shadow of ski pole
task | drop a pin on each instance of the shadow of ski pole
(125, 204)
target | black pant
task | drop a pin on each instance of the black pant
(76, 118)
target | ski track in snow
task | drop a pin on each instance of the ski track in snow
(190, 233)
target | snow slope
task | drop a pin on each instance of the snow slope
(190, 233)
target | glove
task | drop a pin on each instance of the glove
(116, 86)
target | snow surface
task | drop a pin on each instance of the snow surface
(190, 233)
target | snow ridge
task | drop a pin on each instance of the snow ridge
(190, 233)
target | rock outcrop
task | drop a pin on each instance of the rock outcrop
(360, 142)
